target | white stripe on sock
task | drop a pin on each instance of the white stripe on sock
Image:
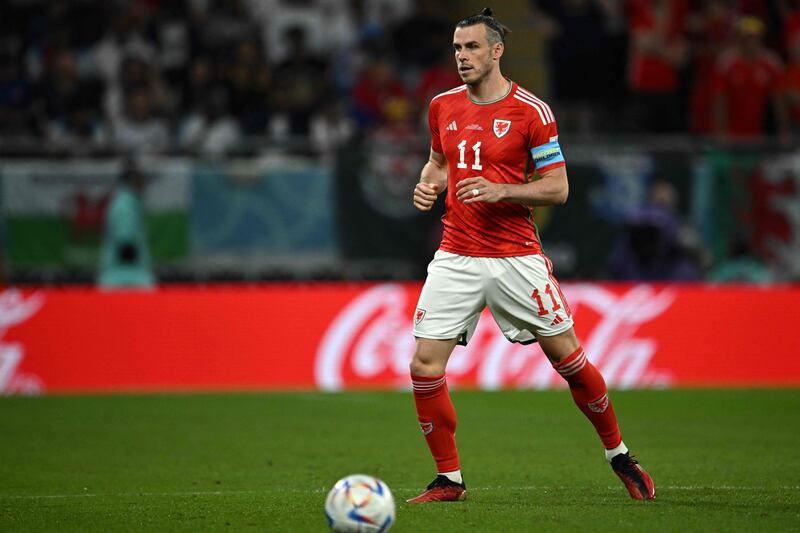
(424, 386)
(573, 367)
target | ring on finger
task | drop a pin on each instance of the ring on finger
(475, 192)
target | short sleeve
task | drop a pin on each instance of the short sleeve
(543, 142)
(433, 124)
(542, 132)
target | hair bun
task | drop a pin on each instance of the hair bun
(487, 12)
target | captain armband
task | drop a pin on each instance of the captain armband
(547, 154)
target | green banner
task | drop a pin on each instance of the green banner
(53, 211)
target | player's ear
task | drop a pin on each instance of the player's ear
(499, 48)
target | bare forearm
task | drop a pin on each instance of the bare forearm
(432, 181)
(434, 174)
(548, 190)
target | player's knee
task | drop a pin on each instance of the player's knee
(426, 364)
(423, 368)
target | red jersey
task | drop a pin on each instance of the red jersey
(501, 141)
(747, 87)
(649, 72)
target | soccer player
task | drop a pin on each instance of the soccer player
(486, 134)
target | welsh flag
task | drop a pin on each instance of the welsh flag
(53, 211)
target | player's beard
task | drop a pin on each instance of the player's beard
(482, 76)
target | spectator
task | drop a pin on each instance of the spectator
(658, 52)
(747, 80)
(135, 73)
(398, 126)
(128, 35)
(174, 41)
(80, 129)
(139, 130)
(199, 79)
(330, 129)
(125, 255)
(62, 91)
(342, 40)
(249, 85)
(211, 130)
(377, 92)
(339, 33)
(300, 84)
(654, 245)
(711, 28)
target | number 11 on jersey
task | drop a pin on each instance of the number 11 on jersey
(476, 148)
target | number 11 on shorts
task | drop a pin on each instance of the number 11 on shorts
(549, 291)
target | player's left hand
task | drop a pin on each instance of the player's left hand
(479, 189)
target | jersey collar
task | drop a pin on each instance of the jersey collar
(510, 88)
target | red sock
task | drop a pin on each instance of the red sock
(437, 419)
(591, 396)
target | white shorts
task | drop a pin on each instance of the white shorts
(521, 293)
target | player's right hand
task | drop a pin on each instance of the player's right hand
(425, 195)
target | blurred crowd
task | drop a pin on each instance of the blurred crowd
(201, 75)
(726, 68)
(221, 77)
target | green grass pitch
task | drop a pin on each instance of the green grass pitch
(721, 460)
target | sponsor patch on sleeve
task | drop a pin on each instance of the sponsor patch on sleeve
(547, 154)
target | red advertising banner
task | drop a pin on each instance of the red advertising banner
(345, 336)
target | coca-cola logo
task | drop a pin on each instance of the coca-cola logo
(370, 338)
(14, 310)
(369, 343)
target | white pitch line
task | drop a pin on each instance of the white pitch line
(324, 490)
(126, 494)
(659, 487)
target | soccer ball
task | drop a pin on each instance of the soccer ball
(360, 504)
